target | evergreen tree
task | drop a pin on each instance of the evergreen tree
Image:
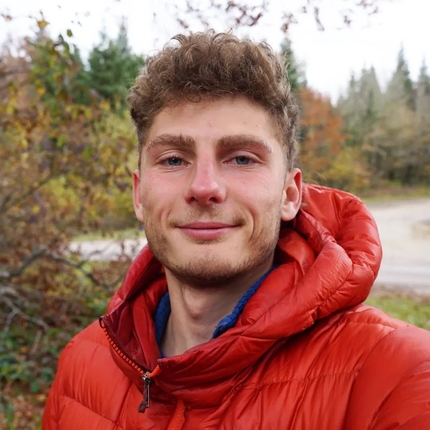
(296, 74)
(360, 107)
(401, 88)
(369, 100)
(347, 106)
(423, 97)
(113, 67)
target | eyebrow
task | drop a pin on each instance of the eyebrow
(244, 140)
(184, 142)
(236, 141)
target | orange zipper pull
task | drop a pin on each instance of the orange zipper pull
(146, 377)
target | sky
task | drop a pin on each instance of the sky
(329, 57)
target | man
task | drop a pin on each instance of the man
(244, 311)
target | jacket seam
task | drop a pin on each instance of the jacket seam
(306, 379)
(393, 327)
(86, 407)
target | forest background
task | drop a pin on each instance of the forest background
(67, 150)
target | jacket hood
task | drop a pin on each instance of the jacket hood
(328, 257)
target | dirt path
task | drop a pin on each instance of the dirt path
(406, 246)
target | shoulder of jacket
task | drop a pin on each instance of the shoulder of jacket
(366, 315)
(393, 382)
(87, 349)
(382, 339)
(340, 344)
(92, 334)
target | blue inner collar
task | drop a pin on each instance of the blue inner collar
(163, 312)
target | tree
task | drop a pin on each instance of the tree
(60, 163)
(113, 67)
(401, 88)
(295, 70)
(399, 154)
(324, 154)
(360, 107)
(422, 102)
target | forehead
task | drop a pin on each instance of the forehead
(212, 120)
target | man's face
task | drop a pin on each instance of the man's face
(212, 190)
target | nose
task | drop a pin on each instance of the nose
(206, 184)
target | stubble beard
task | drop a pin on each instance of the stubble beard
(203, 271)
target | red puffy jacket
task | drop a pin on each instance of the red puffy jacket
(304, 354)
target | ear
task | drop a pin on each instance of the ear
(292, 196)
(137, 197)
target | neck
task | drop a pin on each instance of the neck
(196, 311)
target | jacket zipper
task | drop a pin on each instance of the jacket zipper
(146, 376)
(178, 417)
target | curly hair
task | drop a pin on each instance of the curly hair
(208, 65)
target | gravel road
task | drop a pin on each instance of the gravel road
(405, 241)
(406, 244)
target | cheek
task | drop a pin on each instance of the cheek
(158, 199)
(265, 210)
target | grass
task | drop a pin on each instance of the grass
(412, 309)
(392, 193)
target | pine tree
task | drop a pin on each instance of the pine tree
(401, 88)
(360, 107)
(113, 67)
(423, 96)
(296, 74)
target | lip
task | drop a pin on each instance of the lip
(206, 230)
(201, 225)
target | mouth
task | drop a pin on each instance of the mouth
(206, 230)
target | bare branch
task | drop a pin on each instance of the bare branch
(7, 202)
(36, 342)
(7, 324)
(17, 311)
(317, 18)
(5, 73)
(35, 254)
(79, 266)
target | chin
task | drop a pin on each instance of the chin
(208, 271)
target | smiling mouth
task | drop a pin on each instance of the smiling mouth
(206, 230)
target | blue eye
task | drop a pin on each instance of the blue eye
(174, 161)
(242, 160)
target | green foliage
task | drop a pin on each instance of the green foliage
(391, 129)
(57, 70)
(401, 88)
(113, 68)
(295, 70)
(64, 158)
(325, 157)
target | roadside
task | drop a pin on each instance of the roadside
(406, 246)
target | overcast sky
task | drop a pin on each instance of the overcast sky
(329, 56)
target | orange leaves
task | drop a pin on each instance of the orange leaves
(325, 157)
(322, 125)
